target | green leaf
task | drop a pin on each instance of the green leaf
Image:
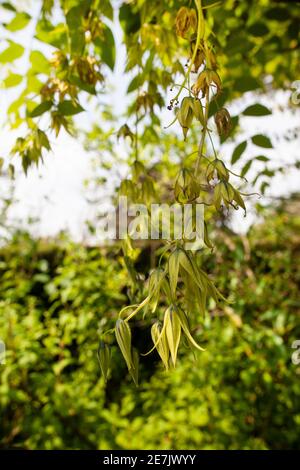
(161, 343)
(8, 6)
(278, 14)
(69, 108)
(107, 48)
(13, 52)
(185, 326)
(239, 149)
(82, 85)
(34, 85)
(107, 9)
(238, 43)
(219, 103)
(13, 79)
(39, 63)
(246, 83)
(134, 370)
(256, 110)
(246, 168)
(173, 270)
(123, 337)
(50, 34)
(258, 29)
(11, 171)
(104, 357)
(41, 109)
(135, 83)
(130, 21)
(20, 21)
(43, 139)
(76, 31)
(262, 141)
(262, 158)
(173, 332)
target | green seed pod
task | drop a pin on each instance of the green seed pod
(223, 121)
(173, 332)
(227, 192)
(160, 340)
(185, 114)
(186, 329)
(217, 168)
(222, 171)
(134, 370)
(123, 337)
(239, 200)
(198, 111)
(173, 265)
(138, 169)
(217, 196)
(104, 357)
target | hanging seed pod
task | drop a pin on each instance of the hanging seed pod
(193, 20)
(225, 192)
(223, 121)
(222, 171)
(138, 169)
(123, 337)
(200, 55)
(148, 189)
(186, 20)
(211, 60)
(186, 329)
(239, 200)
(182, 21)
(128, 188)
(216, 168)
(160, 340)
(173, 332)
(206, 237)
(206, 79)
(186, 187)
(185, 115)
(104, 357)
(154, 287)
(198, 111)
(173, 264)
(124, 132)
(134, 369)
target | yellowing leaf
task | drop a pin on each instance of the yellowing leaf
(104, 357)
(173, 332)
(173, 270)
(185, 326)
(134, 370)
(160, 340)
(123, 337)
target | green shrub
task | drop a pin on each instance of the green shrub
(243, 392)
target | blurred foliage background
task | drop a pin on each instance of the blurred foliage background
(243, 392)
(56, 296)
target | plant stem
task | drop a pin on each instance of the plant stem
(202, 140)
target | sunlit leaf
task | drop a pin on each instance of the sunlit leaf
(69, 108)
(14, 51)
